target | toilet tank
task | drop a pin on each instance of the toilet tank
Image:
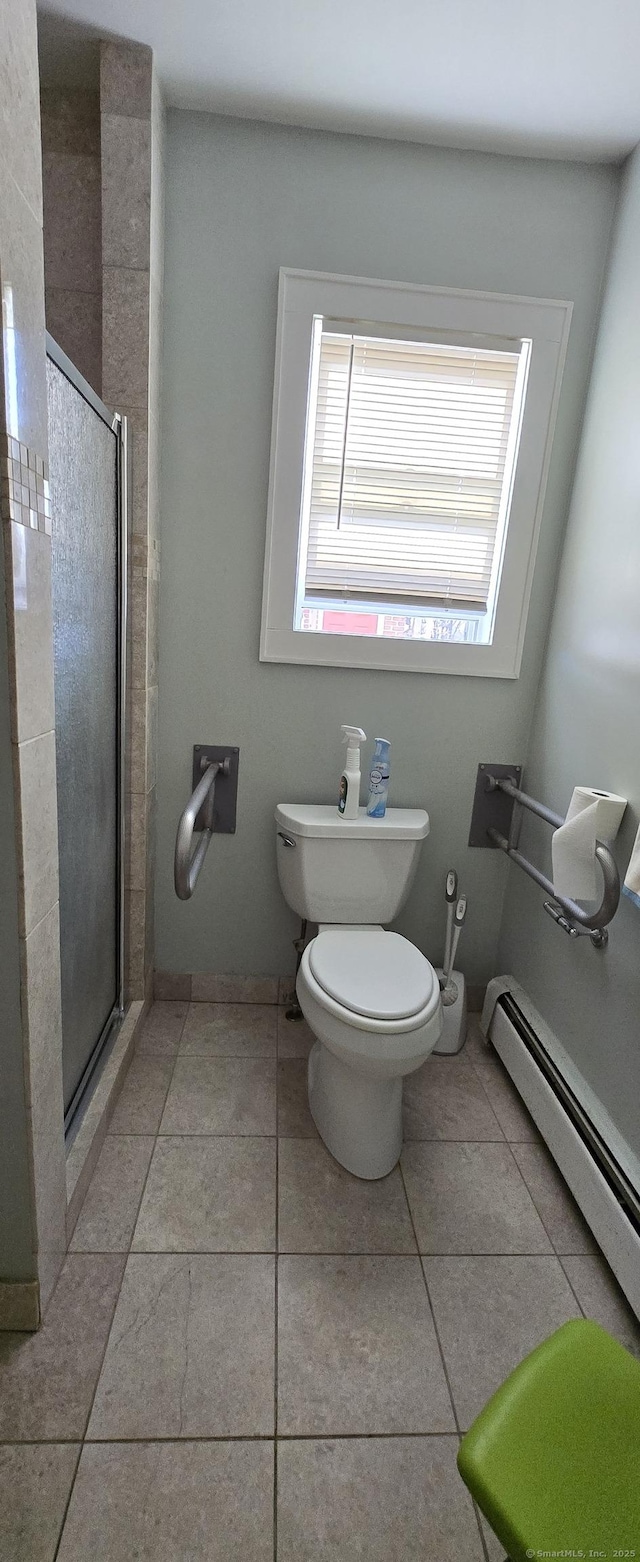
(347, 870)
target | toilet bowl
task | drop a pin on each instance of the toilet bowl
(372, 1001)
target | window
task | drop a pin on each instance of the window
(411, 436)
(410, 450)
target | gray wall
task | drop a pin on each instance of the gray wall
(242, 200)
(587, 722)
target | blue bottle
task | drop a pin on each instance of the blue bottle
(379, 779)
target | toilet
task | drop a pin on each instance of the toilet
(370, 997)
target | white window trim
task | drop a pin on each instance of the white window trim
(305, 294)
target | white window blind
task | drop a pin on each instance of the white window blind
(411, 455)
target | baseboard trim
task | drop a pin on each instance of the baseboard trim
(602, 1209)
(213, 987)
(209, 987)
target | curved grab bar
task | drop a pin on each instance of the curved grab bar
(187, 862)
(593, 923)
(611, 892)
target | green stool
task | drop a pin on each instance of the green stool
(553, 1460)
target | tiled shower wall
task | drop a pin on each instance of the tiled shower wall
(103, 156)
(32, 1161)
(104, 276)
(132, 150)
(73, 225)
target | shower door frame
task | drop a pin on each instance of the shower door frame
(118, 426)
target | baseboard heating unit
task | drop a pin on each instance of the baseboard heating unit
(596, 1163)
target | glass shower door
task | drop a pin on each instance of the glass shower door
(86, 455)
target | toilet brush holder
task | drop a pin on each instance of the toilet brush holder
(454, 1016)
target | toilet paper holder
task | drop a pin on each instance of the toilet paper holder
(495, 822)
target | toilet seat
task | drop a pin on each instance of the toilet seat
(373, 973)
(354, 1020)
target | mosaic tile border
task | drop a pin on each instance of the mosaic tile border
(24, 485)
(144, 555)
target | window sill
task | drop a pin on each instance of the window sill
(376, 654)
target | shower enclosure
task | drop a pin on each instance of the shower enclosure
(88, 471)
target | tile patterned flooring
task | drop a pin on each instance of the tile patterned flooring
(251, 1355)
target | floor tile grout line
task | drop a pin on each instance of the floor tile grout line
(220, 1437)
(483, 1540)
(587, 1252)
(429, 1302)
(82, 1437)
(275, 1499)
(67, 1503)
(144, 1189)
(409, 1209)
(441, 1139)
(172, 1133)
(104, 1352)
(469, 1059)
(37, 1442)
(441, 1351)
(485, 1091)
(199, 1135)
(104, 1251)
(267, 1437)
(538, 1211)
(142, 1133)
(80, 1440)
(302, 1252)
(458, 1139)
(169, 1082)
(569, 1281)
(154, 1136)
(238, 1057)
(495, 1057)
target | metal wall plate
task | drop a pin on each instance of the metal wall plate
(492, 810)
(226, 793)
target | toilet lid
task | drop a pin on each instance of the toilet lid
(372, 972)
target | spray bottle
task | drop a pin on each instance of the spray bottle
(379, 779)
(349, 795)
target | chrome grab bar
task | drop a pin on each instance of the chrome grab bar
(187, 862)
(579, 921)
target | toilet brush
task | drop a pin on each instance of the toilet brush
(451, 896)
(453, 991)
(449, 989)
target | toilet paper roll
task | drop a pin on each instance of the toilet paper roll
(591, 816)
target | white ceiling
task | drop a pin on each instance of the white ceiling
(558, 78)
